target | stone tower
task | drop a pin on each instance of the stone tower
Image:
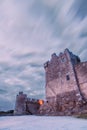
(20, 106)
(61, 78)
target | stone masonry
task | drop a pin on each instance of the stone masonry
(66, 85)
(25, 105)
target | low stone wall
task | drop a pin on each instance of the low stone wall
(32, 107)
(66, 104)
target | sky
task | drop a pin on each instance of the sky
(30, 31)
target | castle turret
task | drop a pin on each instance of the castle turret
(61, 79)
(20, 106)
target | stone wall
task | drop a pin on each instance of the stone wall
(81, 72)
(32, 106)
(67, 104)
(25, 105)
(60, 75)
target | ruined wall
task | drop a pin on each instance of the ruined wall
(32, 107)
(25, 105)
(81, 72)
(60, 76)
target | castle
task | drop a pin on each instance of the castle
(25, 105)
(66, 85)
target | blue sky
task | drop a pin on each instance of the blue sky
(30, 31)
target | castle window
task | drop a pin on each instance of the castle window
(63, 60)
(67, 77)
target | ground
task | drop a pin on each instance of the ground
(42, 123)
